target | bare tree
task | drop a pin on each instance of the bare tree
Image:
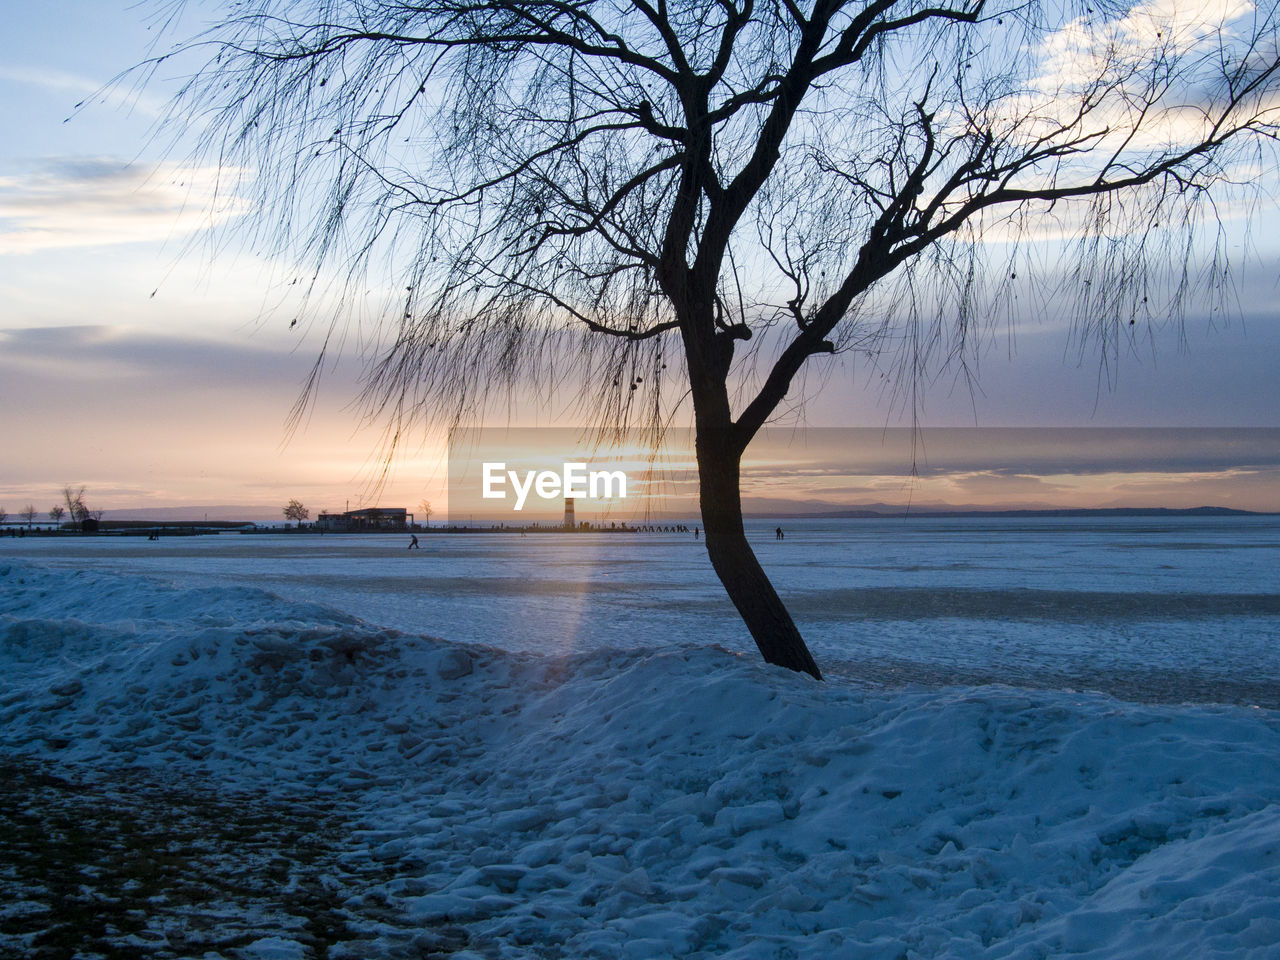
(294, 510)
(424, 508)
(56, 513)
(28, 514)
(74, 500)
(4, 515)
(580, 194)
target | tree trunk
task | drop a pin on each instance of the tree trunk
(771, 626)
(719, 444)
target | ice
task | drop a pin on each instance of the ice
(656, 791)
(1172, 609)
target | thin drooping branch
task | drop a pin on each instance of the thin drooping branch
(985, 180)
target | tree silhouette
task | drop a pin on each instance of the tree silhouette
(659, 203)
(294, 510)
(74, 500)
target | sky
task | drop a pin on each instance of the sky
(141, 361)
(495, 473)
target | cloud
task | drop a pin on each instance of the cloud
(1000, 467)
(84, 88)
(94, 354)
(92, 373)
(101, 201)
(1075, 55)
(1116, 94)
(1146, 74)
(145, 418)
(1027, 467)
(1016, 453)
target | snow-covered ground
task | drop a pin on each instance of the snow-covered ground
(562, 747)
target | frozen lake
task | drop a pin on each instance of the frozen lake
(253, 746)
(1168, 609)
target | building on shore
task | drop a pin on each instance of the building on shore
(373, 519)
(569, 522)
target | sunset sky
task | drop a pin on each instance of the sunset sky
(140, 362)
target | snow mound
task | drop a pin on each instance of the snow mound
(682, 802)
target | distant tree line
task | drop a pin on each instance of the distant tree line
(73, 506)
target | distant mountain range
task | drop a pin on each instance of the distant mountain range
(753, 508)
(230, 512)
(817, 509)
(884, 510)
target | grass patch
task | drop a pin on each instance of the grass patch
(122, 867)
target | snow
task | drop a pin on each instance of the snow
(667, 798)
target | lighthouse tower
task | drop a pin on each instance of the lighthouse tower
(569, 523)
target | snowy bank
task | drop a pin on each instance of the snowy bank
(676, 802)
